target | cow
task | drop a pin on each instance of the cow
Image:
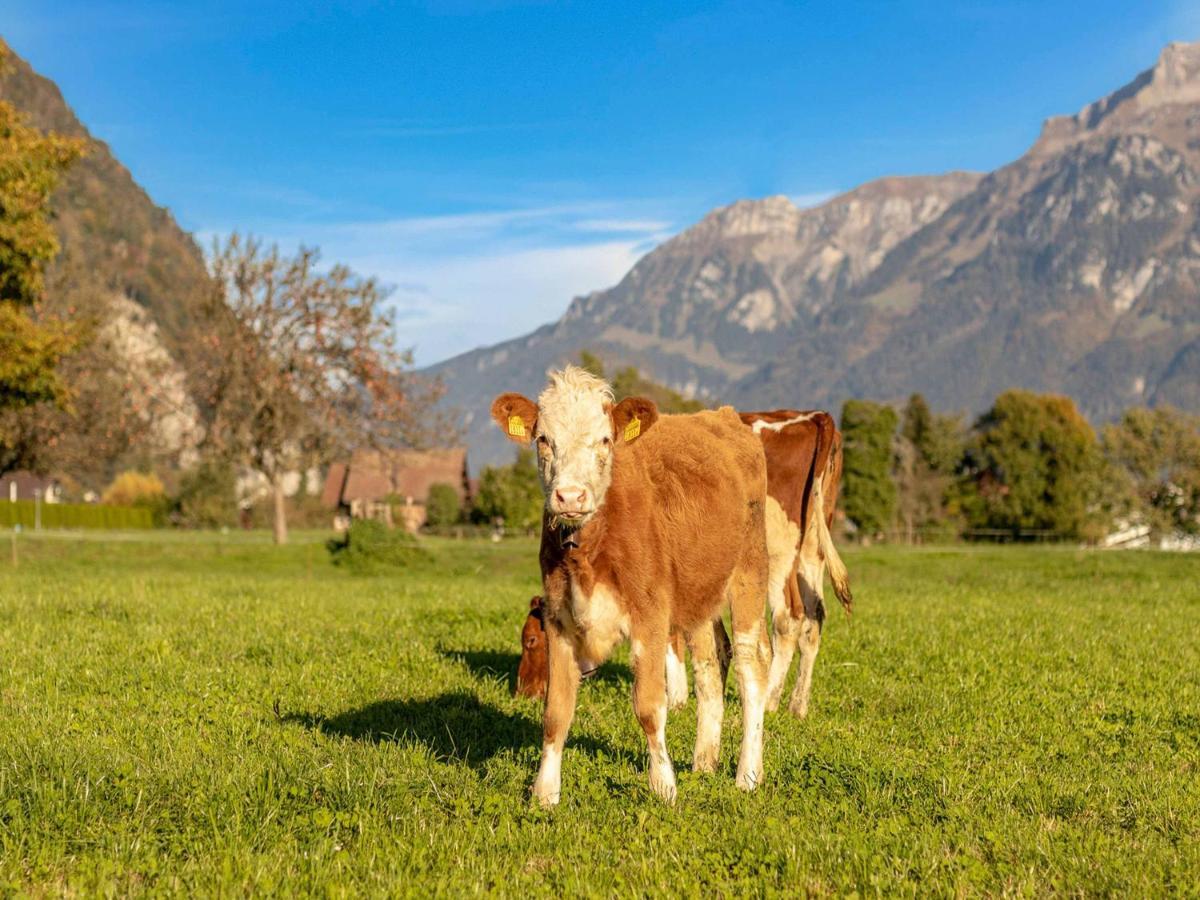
(804, 468)
(651, 524)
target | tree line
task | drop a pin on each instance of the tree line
(1031, 464)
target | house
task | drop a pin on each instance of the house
(381, 484)
(21, 485)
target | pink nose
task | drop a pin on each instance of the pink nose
(571, 500)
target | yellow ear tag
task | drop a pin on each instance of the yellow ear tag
(633, 429)
(516, 426)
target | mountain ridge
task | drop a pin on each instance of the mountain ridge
(1074, 268)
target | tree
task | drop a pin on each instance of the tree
(207, 496)
(1156, 452)
(31, 346)
(1033, 463)
(120, 406)
(442, 506)
(628, 382)
(926, 453)
(513, 493)
(868, 493)
(297, 366)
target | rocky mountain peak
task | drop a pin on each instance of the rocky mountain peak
(1173, 81)
(770, 216)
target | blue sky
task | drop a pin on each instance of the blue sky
(491, 159)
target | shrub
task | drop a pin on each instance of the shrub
(512, 493)
(443, 506)
(207, 496)
(369, 546)
(132, 489)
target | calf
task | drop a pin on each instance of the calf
(652, 524)
(531, 673)
(804, 468)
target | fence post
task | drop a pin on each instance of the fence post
(14, 547)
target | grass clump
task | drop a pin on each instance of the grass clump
(368, 547)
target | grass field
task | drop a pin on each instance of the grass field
(991, 721)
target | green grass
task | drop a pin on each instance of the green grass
(991, 721)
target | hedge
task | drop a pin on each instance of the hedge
(74, 515)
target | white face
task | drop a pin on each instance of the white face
(574, 442)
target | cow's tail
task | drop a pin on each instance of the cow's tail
(837, 569)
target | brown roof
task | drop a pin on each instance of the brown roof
(374, 474)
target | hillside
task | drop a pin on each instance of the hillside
(126, 266)
(114, 238)
(1075, 268)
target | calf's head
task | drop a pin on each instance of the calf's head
(532, 672)
(577, 430)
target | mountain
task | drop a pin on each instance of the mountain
(1074, 269)
(124, 263)
(113, 236)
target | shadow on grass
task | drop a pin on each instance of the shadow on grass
(455, 726)
(493, 664)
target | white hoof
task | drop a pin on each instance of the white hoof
(662, 782)
(748, 781)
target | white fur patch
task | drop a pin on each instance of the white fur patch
(574, 437)
(763, 425)
(662, 773)
(600, 622)
(677, 686)
(548, 786)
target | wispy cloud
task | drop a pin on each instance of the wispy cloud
(465, 279)
(632, 226)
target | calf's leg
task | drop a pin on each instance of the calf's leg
(648, 656)
(782, 537)
(787, 632)
(709, 676)
(811, 583)
(751, 659)
(561, 691)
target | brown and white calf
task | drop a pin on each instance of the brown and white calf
(652, 524)
(804, 465)
(804, 469)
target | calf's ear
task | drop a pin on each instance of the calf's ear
(516, 415)
(632, 418)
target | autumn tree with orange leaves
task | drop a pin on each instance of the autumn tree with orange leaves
(297, 366)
